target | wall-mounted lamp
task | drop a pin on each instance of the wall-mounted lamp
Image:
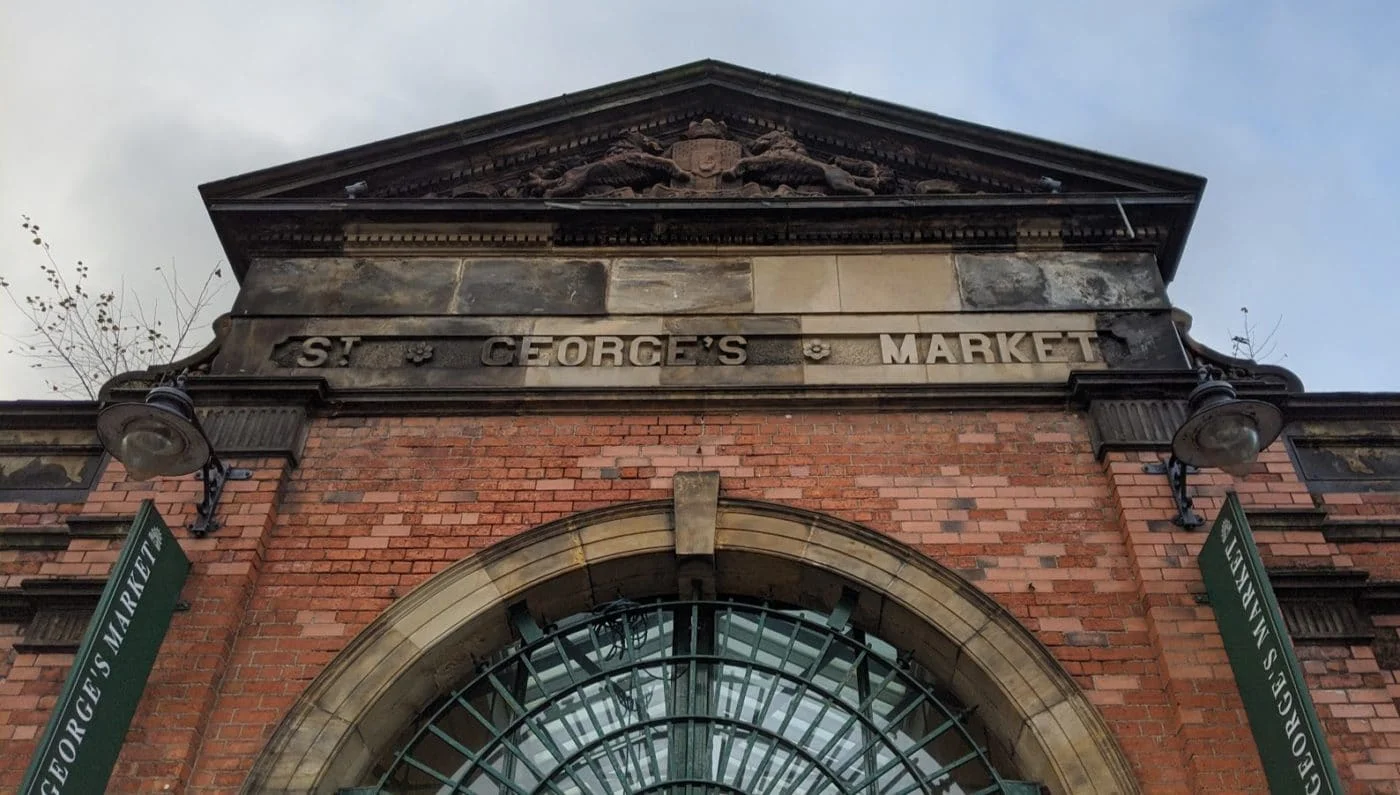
(163, 436)
(1221, 431)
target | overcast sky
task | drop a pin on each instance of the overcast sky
(113, 113)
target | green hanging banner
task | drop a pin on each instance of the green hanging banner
(89, 723)
(1281, 713)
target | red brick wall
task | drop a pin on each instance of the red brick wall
(1079, 550)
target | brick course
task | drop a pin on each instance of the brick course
(1079, 550)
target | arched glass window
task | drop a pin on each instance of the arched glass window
(694, 697)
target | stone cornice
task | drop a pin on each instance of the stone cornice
(48, 414)
(320, 227)
(706, 86)
(54, 610)
(1361, 530)
(313, 394)
(1332, 605)
(1339, 406)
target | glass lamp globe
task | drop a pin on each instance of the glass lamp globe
(1231, 442)
(1225, 432)
(144, 446)
(159, 437)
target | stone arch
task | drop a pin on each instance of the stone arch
(429, 640)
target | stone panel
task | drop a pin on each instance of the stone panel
(256, 430)
(342, 286)
(1347, 456)
(730, 350)
(1060, 280)
(696, 496)
(591, 376)
(760, 375)
(737, 324)
(48, 465)
(1140, 340)
(860, 374)
(1005, 373)
(897, 283)
(616, 326)
(664, 286)
(796, 284)
(991, 323)
(860, 324)
(33, 471)
(1134, 424)
(532, 287)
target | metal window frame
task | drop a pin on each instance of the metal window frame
(593, 665)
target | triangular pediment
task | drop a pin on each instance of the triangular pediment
(704, 130)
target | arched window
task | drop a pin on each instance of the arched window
(694, 697)
(457, 688)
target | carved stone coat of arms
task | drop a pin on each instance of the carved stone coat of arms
(707, 161)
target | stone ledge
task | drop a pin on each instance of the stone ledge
(1284, 520)
(57, 537)
(1328, 605)
(1352, 531)
(34, 537)
(55, 610)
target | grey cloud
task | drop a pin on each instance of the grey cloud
(112, 114)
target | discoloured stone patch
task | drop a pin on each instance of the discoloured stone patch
(1059, 280)
(532, 287)
(326, 286)
(1140, 340)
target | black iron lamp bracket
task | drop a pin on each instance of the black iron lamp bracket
(215, 473)
(1176, 471)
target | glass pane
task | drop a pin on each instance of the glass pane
(694, 697)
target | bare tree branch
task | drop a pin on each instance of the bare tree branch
(1248, 344)
(86, 338)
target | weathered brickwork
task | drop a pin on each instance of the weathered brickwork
(1080, 551)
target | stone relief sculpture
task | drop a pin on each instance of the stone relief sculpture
(780, 162)
(705, 162)
(708, 160)
(632, 163)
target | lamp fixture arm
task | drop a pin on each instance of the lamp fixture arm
(1176, 471)
(215, 473)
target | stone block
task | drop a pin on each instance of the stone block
(799, 284)
(939, 604)
(859, 374)
(988, 323)
(620, 538)
(746, 375)
(696, 499)
(855, 559)
(1059, 739)
(1005, 373)
(861, 324)
(445, 607)
(606, 376)
(584, 327)
(1140, 340)
(532, 286)
(344, 286)
(734, 324)
(897, 283)
(1059, 280)
(668, 286)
